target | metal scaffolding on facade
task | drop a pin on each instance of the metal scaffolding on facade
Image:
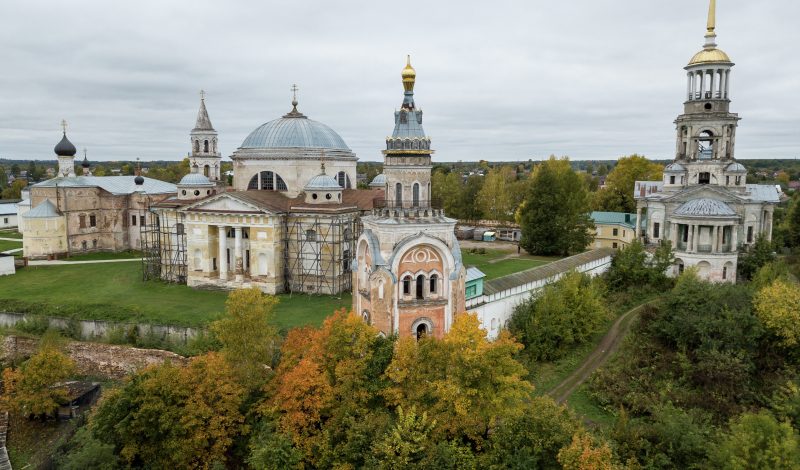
(163, 240)
(318, 252)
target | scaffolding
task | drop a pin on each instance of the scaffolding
(318, 252)
(163, 240)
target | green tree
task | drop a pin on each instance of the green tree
(632, 267)
(404, 444)
(564, 314)
(247, 334)
(757, 441)
(495, 198)
(554, 216)
(170, 416)
(84, 451)
(792, 223)
(617, 195)
(14, 191)
(30, 389)
(750, 261)
(272, 450)
(778, 306)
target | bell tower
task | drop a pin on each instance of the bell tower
(407, 157)
(205, 157)
(707, 128)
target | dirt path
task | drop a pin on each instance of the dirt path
(608, 345)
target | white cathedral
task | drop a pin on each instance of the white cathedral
(704, 205)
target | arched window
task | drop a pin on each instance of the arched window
(398, 194)
(434, 281)
(416, 194)
(422, 331)
(420, 287)
(705, 146)
(205, 146)
(267, 180)
(407, 285)
(206, 171)
(214, 145)
(196, 146)
(343, 180)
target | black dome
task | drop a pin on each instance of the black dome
(65, 148)
(139, 180)
(85, 162)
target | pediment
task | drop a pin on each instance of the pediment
(224, 203)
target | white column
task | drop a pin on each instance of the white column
(713, 86)
(223, 257)
(237, 249)
(715, 239)
(258, 179)
(723, 91)
(638, 221)
(728, 83)
(734, 238)
(689, 94)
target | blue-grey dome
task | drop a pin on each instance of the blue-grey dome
(195, 179)
(736, 168)
(322, 182)
(378, 182)
(705, 207)
(295, 132)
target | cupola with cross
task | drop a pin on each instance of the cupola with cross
(65, 151)
(205, 157)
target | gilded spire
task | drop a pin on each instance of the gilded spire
(409, 75)
(712, 16)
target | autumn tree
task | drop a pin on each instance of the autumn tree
(30, 389)
(778, 307)
(564, 314)
(406, 443)
(247, 334)
(325, 393)
(554, 216)
(171, 416)
(466, 383)
(585, 454)
(497, 198)
(617, 195)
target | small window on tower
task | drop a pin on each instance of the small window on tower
(133, 220)
(656, 229)
(672, 179)
(92, 221)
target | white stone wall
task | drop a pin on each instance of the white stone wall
(294, 172)
(495, 310)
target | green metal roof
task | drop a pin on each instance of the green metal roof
(614, 218)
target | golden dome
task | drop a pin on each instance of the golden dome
(409, 75)
(707, 56)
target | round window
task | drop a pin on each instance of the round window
(196, 192)
(208, 191)
(708, 106)
(183, 192)
(314, 196)
(328, 196)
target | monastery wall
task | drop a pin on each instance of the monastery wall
(94, 359)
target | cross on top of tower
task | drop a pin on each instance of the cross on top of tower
(294, 93)
(202, 94)
(64, 125)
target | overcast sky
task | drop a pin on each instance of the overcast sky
(498, 80)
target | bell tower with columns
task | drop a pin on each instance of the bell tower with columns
(706, 131)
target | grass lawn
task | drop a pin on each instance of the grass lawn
(104, 256)
(115, 291)
(491, 264)
(9, 245)
(10, 233)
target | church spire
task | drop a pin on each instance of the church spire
(203, 121)
(409, 78)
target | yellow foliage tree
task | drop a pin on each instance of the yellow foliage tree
(247, 335)
(584, 454)
(465, 382)
(778, 306)
(29, 390)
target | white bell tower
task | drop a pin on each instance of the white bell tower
(205, 157)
